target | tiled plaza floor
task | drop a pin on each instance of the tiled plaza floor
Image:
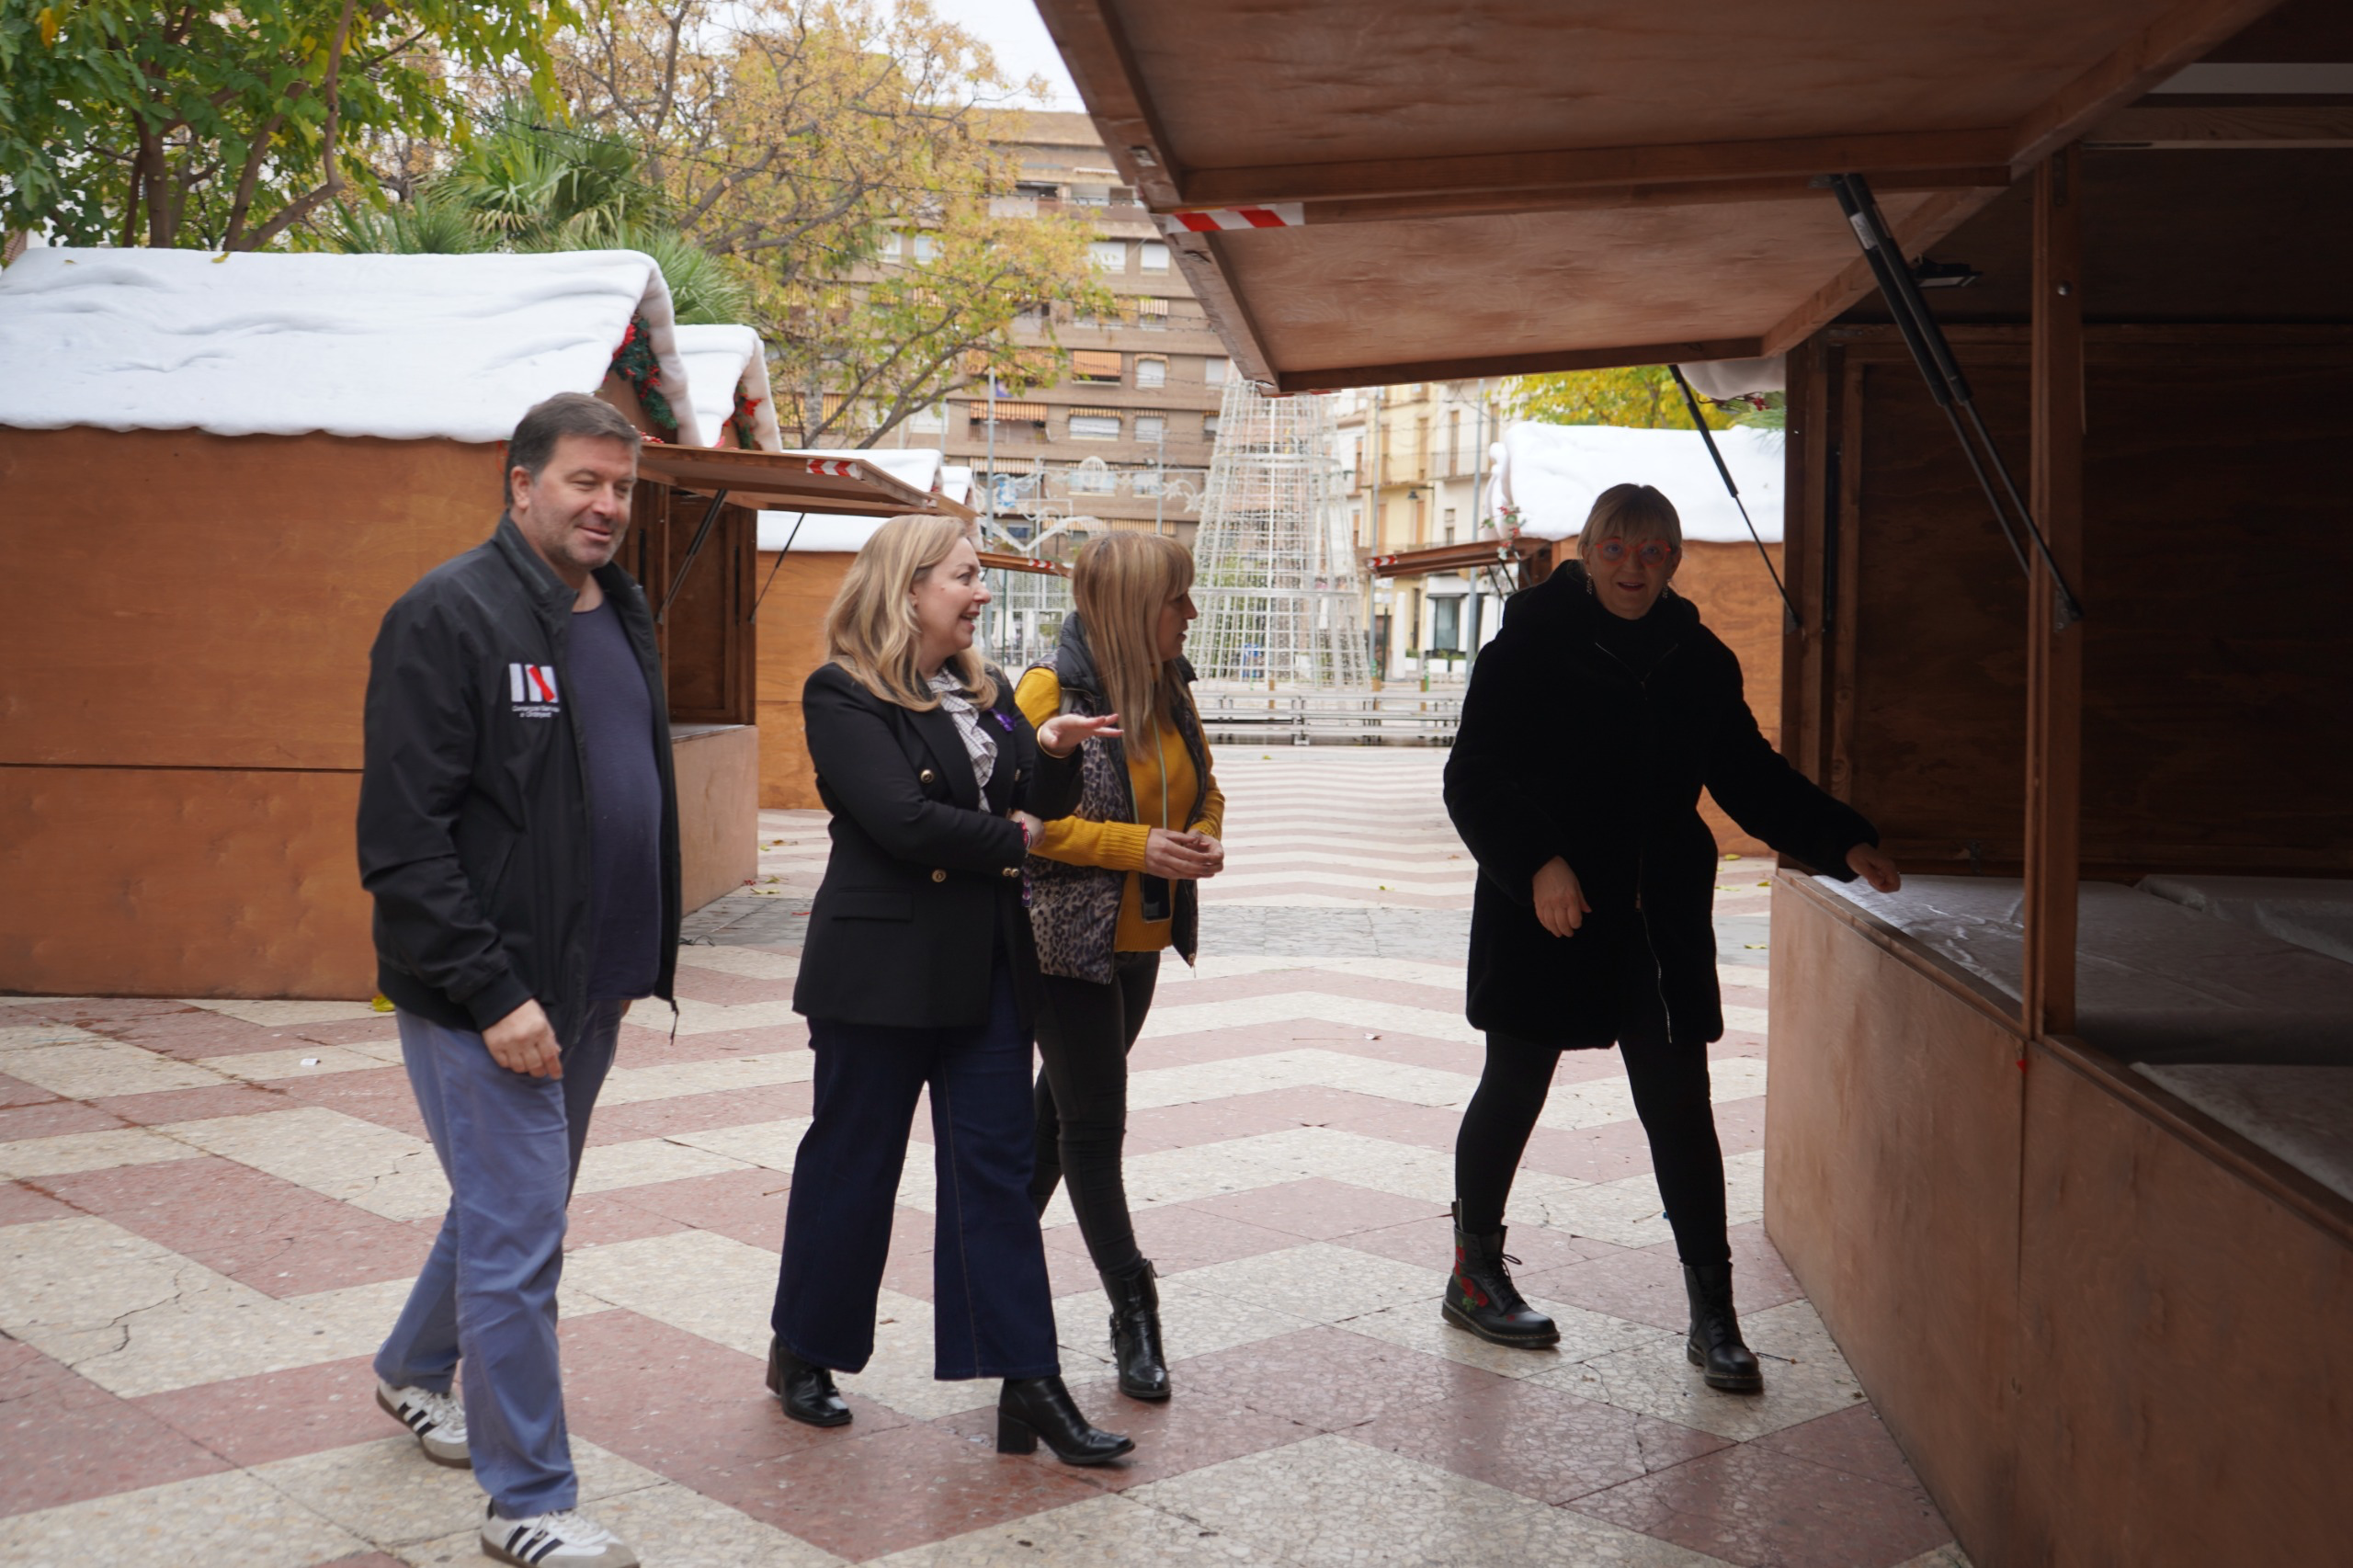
(208, 1212)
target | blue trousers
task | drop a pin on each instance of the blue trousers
(511, 1145)
(992, 1311)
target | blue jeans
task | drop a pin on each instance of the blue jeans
(511, 1145)
(992, 1312)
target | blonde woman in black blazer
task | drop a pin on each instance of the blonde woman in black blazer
(920, 973)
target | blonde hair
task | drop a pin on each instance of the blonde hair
(871, 631)
(1629, 512)
(1119, 583)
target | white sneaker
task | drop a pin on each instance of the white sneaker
(565, 1538)
(438, 1419)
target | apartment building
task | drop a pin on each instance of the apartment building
(1143, 387)
(1413, 473)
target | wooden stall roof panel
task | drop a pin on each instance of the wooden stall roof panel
(791, 480)
(1237, 80)
(1354, 300)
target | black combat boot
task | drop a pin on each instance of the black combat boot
(1715, 1346)
(1031, 1408)
(1135, 1332)
(805, 1389)
(1480, 1297)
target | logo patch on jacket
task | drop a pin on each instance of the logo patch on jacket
(532, 689)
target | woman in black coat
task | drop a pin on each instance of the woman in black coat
(920, 973)
(1592, 721)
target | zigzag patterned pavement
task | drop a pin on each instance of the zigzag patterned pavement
(211, 1209)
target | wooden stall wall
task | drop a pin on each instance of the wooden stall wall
(185, 621)
(792, 645)
(2215, 547)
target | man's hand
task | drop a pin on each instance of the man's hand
(524, 1042)
(1561, 907)
(1867, 862)
(1187, 856)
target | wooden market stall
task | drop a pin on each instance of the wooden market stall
(215, 472)
(2060, 1141)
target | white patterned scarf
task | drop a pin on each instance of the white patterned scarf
(979, 744)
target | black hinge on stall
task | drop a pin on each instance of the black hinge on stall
(1926, 339)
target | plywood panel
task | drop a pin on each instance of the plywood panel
(172, 598)
(719, 811)
(1891, 1137)
(1735, 595)
(2188, 1393)
(181, 882)
(792, 645)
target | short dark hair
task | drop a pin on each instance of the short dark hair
(567, 414)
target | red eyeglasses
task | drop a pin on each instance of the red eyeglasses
(1649, 553)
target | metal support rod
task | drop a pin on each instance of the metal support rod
(1691, 402)
(1946, 382)
(798, 519)
(694, 547)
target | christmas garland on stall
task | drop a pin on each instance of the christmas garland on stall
(634, 362)
(745, 421)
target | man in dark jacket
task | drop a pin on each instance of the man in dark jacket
(518, 831)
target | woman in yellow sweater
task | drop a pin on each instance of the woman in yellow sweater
(1110, 886)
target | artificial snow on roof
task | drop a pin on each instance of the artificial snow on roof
(722, 362)
(245, 344)
(1553, 472)
(836, 531)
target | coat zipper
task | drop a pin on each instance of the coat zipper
(1642, 851)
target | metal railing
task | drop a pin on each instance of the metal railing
(1327, 718)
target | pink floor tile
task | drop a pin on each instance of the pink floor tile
(1182, 1236)
(1328, 1379)
(281, 1239)
(1645, 1285)
(746, 1206)
(699, 985)
(863, 1494)
(46, 1119)
(21, 1204)
(1754, 1505)
(650, 1046)
(192, 1034)
(382, 1095)
(600, 1218)
(17, 1092)
(63, 1438)
(1535, 1440)
(1317, 1210)
(698, 1113)
(363, 1560)
(195, 1105)
(104, 1014)
(680, 1406)
(351, 1031)
(1853, 1439)
(278, 1416)
(1430, 1243)
(1172, 1435)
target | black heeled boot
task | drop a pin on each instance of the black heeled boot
(1715, 1345)
(1480, 1297)
(806, 1388)
(1031, 1408)
(1135, 1334)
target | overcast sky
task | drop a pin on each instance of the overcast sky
(1012, 30)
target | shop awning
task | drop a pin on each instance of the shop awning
(1496, 186)
(798, 480)
(983, 409)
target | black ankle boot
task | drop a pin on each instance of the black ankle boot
(1480, 1297)
(1031, 1408)
(1715, 1346)
(1135, 1334)
(807, 1389)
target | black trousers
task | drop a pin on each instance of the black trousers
(1670, 1085)
(1085, 1032)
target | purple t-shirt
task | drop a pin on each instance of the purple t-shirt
(615, 713)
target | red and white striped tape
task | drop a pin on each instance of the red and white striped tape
(1209, 219)
(834, 468)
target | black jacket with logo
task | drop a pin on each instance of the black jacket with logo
(473, 798)
(1564, 749)
(923, 890)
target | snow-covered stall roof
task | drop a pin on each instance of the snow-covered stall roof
(1554, 472)
(245, 344)
(723, 362)
(832, 531)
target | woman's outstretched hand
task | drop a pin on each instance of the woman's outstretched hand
(1187, 856)
(1867, 862)
(1561, 907)
(1065, 733)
